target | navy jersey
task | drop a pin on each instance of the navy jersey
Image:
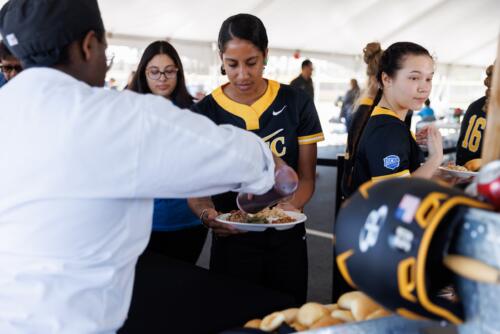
(283, 117)
(386, 149)
(470, 141)
(359, 119)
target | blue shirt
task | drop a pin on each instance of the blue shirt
(2, 80)
(426, 112)
(172, 215)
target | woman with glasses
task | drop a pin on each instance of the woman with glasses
(177, 232)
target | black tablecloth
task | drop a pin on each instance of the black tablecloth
(175, 297)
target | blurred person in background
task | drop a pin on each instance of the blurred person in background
(348, 102)
(177, 232)
(470, 140)
(427, 113)
(304, 80)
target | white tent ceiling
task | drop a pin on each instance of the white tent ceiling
(455, 31)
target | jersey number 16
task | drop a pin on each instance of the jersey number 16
(473, 135)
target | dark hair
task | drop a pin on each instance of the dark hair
(306, 63)
(63, 57)
(243, 26)
(4, 51)
(180, 95)
(427, 102)
(390, 62)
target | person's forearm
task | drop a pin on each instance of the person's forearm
(428, 169)
(303, 194)
(197, 205)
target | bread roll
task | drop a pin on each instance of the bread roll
(332, 307)
(380, 313)
(290, 314)
(326, 321)
(473, 165)
(254, 323)
(344, 315)
(310, 313)
(358, 303)
(298, 326)
(272, 321)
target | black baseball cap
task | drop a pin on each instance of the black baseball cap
(37, 31)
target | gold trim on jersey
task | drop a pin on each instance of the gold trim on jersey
(366, 101)
(383, 111)
(311, 139)
(250, 114)
(403, 173)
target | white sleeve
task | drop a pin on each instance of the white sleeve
(183, 154)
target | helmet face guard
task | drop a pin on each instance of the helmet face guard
(391, 238)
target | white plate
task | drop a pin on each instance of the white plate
(458, 173)
(299, 218)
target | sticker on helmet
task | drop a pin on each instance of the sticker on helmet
(369, 233)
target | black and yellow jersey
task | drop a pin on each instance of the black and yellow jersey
(386, 149)
(283, 117)
(359, 118)
(470, 141)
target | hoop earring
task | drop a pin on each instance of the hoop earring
(222, 70)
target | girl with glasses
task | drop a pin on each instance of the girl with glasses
(177, 232)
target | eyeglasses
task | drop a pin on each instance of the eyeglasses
(154, 73)
(10, 68)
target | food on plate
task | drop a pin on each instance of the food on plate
(457, 168)
(266, 216)
(351, 306)
(474, 165)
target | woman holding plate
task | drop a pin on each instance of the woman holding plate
(287, 120)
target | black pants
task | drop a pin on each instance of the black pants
(273, 259)
(185, 245)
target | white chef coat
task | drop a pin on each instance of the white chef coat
(79, 167)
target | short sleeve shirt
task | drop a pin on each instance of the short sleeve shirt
(470, 141)
(387, 149)
(283, 117)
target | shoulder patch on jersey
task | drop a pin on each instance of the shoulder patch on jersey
(391, 162)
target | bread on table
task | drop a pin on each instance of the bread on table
(309, 313)
(254, 323)
(359, 304)
(272, 321)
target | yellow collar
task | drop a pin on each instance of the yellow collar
(383, 111)
(250, 114)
